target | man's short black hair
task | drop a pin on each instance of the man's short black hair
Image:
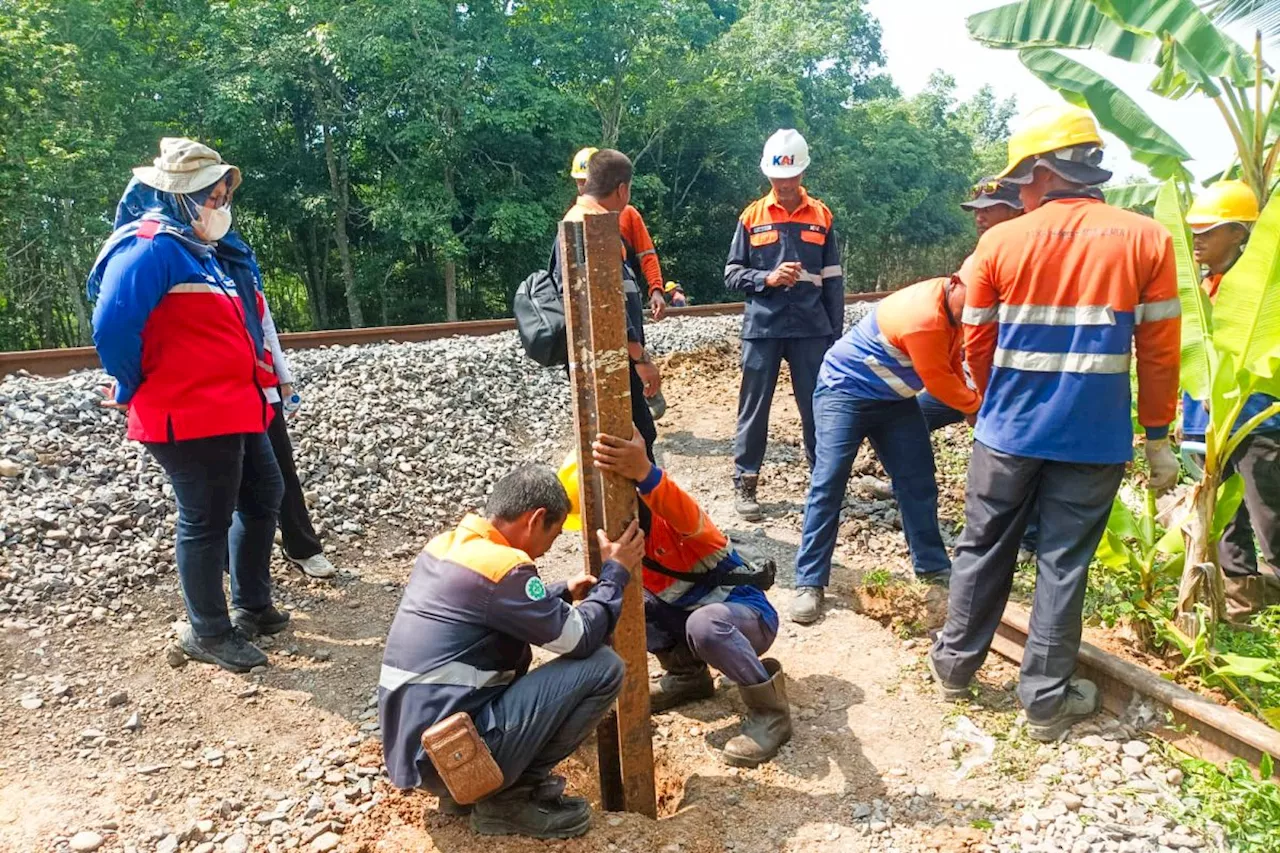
(527, 488)
(606, 171)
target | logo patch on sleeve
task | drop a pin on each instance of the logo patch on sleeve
(535, 589)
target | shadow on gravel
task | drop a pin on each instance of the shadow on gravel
(684, 443)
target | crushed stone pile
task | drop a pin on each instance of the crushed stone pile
(396, 436)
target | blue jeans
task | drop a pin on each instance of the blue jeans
(228, 489)
(938, 414)
(899, 437)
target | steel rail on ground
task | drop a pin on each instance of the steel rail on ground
(56, 362)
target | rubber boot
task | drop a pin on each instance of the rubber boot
(1248, 594)
(768, 723)
(746, 504)
(686, 679)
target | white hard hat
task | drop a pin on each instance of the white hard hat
(786, 154)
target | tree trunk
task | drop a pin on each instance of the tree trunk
(450, 290)
(1201, 577)
(75, 294)
(309, 260)
(340, 183)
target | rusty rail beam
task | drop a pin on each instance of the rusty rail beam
(55, 362)
(1199, 726)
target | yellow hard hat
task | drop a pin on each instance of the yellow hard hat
(670, 286)
(578, 169)
(1051, 128)
(1223, 202)
(568, 475)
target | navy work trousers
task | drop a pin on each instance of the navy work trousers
(228, 490)
(726, 635)
(898, 435)
(296, 531)
(761, 360)
(1075, 501)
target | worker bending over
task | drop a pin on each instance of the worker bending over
(461, 641)
(785, 261)
(910, 341)
(607, 188)
(697, 608)
(1057, 302)
(1221, 219)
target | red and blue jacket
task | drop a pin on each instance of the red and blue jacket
(907, 344)
(1059, 303)
(1195, 413)
(769, 235)
(170, 328)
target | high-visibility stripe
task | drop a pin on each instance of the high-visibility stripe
(200, 287)
(455, 674)
(1062, 362)
(570, 634)
(902, 389)
(895, 353)
(646, 252)
(979, 316)
(812, 278)
(732, 269)
(833, 271)
(1058, 315)
(263, 365)
(1150, 312)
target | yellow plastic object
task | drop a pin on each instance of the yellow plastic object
(670, 287)
(1048, 129)
(568, 475)
(1224, 201)
(578, 169)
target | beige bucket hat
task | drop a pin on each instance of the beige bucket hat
(185, 166)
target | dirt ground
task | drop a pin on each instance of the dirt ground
(210, 748)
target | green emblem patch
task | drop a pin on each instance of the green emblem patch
(535, 589)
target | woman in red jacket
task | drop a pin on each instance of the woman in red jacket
(170, 328)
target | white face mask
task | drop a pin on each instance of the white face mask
(212, 224)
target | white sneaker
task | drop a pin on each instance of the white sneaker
(315, 566)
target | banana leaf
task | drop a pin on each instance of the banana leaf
(1132, 196)
(1246, 316)
(1181, 75)
(1212, 50)
(1230, 494)
(1115, 111)
(1257, 14)
(1059, 23)
(1197, 314)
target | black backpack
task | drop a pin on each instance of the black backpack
(538, 307)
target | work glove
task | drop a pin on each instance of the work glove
(1164, 465)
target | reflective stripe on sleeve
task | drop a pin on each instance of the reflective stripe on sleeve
(979, 316)
(455, 674)
(201, 287)
(263, 365)
(646, 252)
(732, 269)
(1150, 312)
(570, 634)
(811, 277)
(895, 353)
(889, 378)
(1058, 315)
(1062, 362)
(833, 271)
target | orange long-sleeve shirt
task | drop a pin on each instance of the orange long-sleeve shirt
(639, 246)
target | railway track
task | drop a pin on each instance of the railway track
(1195, 724)
(55, 362)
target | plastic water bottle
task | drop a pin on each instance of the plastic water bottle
(291, 403)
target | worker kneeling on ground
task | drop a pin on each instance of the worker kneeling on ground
(867, 389)
(461, 641)
(1221, 220)
(703, 604)
(1059, 302)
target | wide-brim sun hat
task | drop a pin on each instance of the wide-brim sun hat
(990, 192)
(186, 166)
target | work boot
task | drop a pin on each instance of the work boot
(806, 607)
(746, 504)
(768, 723)
(232, 650)
(940, 578)
(686, 679)
(452, 808)
(254, 623)
(1248, 594)
(1080, 702)
(535, 811)
(949, 692)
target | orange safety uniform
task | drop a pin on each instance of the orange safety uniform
(907, 344)
(1058, 300)
(640, 255)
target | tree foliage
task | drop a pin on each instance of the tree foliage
(406, 160)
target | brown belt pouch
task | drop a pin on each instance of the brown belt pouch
(462, 758)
